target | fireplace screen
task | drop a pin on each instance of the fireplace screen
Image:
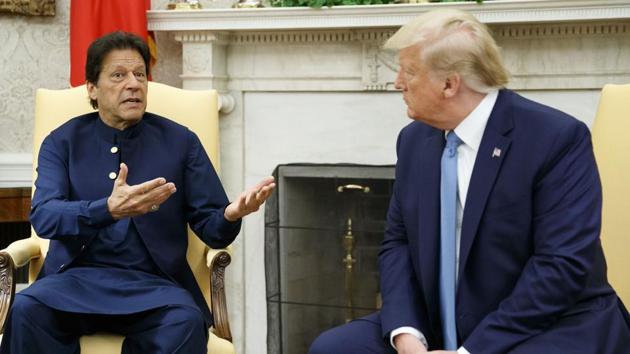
(323, 229)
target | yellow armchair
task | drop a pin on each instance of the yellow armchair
(198, 110)
(612, 145)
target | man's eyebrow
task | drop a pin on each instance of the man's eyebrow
(119, 66)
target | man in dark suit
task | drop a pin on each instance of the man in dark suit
(492, 239)
(115, 192)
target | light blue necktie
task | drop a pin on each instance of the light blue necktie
(448, 221)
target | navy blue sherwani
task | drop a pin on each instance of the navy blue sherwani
(532, 274)
(97, 265)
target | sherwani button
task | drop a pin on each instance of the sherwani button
(112, 175)
(114, 149)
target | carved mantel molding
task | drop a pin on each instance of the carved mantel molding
(276, 49)
(375, 16)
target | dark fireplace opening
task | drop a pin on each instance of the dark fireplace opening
(323, 230)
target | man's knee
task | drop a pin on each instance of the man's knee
(328, 342)
(24, 308)
(361, 336)
(187, 327)
(189, 318)
(340, 340)
(173, 329)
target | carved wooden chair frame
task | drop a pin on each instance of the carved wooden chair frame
(217, 261)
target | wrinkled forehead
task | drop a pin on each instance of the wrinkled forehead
(123, 58)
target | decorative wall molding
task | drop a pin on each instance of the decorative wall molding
(15, 170)
(379, 16)
(352, 60)
(534, 30)
(315, 36)
(203, 36)
(204, 58)
(227, 103)
(323, 36)
(379, 68)
(597, 31)
(561, 30)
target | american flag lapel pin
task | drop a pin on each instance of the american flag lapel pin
(496, 152)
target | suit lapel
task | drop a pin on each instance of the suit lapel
(429, 216)
(492, 152)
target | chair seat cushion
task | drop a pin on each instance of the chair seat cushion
(107, 343)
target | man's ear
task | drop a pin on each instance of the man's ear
(452, 84)
(91, 89)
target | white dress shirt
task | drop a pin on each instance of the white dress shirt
(470, 131)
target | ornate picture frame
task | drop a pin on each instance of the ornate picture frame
(28, 7)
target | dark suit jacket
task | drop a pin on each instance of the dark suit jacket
(73, 184)
(530, 254)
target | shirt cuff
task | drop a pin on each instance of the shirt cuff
(462, 350)
(409, 330)
(227, 227)
(99, 215)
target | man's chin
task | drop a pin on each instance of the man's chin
(133, 114)
(411, 114)
(132, 119)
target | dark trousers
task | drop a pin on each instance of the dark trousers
(33, 327)
(360, 336)
(572, 334)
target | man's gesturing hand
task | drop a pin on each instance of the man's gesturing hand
(250, 200)
(140, 199)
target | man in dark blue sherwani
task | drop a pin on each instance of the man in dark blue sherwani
(117, 257)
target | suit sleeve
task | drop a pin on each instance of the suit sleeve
(53, 215)
(566, 222)
(399, 286)
(205, 199)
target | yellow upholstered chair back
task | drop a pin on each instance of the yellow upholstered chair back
(611, 142)
(197, 110)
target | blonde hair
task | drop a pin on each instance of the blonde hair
(454, 41)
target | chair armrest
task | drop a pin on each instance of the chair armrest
(23, 251)
(18, 254)
(217, 260)
(7, 286)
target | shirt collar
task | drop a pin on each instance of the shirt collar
(471, 129)
(113, 135)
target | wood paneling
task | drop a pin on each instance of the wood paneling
(15, 204)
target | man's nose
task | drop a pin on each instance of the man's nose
(132, 81)
(399, 83)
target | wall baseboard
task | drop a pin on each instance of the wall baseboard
(16, 170)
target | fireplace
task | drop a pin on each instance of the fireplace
(323, 229)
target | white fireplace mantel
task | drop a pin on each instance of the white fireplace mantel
(229, 49)
(375, 16)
